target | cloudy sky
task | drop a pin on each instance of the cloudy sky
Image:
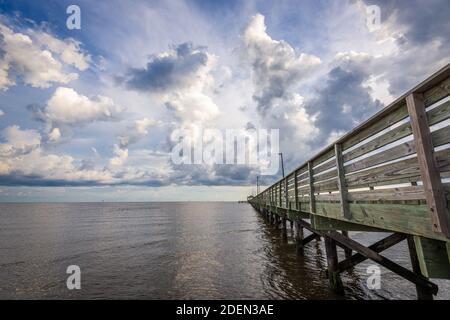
(89, 114)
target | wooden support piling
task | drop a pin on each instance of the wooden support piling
(286, 193)
(312, 199)
(297, 205)
(284, 227)
(423, 293)
(347, 251)
(334, 277)
(298, 235)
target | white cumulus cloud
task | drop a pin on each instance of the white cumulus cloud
(136, 132)
(276, 69)
(54, 135)
(68, 50)
(37, 58)
(66, 106)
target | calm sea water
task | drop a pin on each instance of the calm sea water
(170, 251)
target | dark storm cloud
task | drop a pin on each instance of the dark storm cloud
(424, 20)
(166, 72)
(19, 179)
(87, 164)
(236, 174)
(423, 43)
(241, 175)
(218, 175)
(343, 101)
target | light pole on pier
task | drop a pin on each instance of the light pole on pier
(282, 163)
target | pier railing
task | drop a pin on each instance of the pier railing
(391, 173)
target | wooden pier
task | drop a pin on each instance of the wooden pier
(390, 174)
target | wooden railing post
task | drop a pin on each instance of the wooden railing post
(429, 170)
(269, 195)
(345, 208)
(422, 292)
(286, 192)
(279, 195)
(274, 196)
(332, 260)
(297, 205)
(312, 198)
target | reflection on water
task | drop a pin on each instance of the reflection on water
(170, 251)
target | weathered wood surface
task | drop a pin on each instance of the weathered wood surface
(422, 294)
(333, 263)
(438, 92)
(326, 176)
(324, 157)
(342, 184)
(413, 193)
(325, 224)
(429, 171)
(439, 137)
(398, 172)
(325, 166)
(312, 202)
(296, 192)
(438, 114)
(388, 120)
(433, 258)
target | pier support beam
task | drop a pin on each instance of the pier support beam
(333, 263)
(298, 236)
(347, 251)
(275, 220)
(423, 293)
(284, 227)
